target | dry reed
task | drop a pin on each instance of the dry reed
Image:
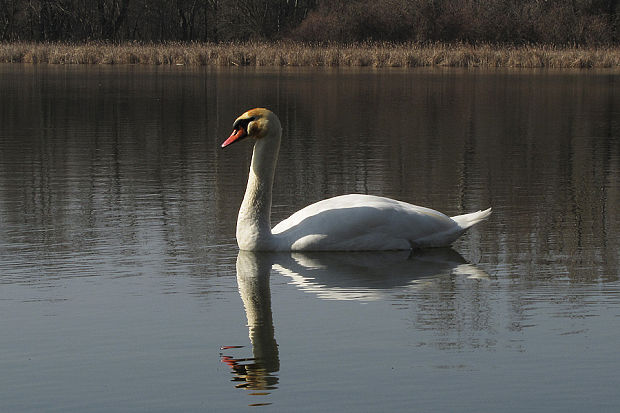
(302, 54)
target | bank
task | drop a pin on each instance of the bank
(313, 55)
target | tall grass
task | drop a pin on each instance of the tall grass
(303, 54)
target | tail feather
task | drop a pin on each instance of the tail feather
(467, 220)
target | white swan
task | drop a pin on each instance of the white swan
(343, 223)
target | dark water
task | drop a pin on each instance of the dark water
(121, 286)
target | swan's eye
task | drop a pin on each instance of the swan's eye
(242, 123)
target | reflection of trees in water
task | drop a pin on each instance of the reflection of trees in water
(542, 150)
(132, 174)
(459, 312)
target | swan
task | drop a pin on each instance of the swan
(353, 222)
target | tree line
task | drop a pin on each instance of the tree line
(560, 22)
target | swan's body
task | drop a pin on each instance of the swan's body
(343, 223)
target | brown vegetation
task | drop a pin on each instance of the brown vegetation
(303, 54)
(514, 22)
(581, 22)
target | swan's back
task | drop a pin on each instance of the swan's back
(366, 222)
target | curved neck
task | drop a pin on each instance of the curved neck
(254, 220)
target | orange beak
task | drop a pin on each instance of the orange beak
(235, 136)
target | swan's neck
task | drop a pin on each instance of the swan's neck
(254, 220)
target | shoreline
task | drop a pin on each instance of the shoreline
(296, 54)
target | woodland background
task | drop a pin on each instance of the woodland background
(511, 22)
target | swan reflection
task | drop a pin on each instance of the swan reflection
(256, 373)
(369, 276)
(361, 276)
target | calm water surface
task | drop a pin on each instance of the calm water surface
(122, 289)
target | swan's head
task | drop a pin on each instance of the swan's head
(255, 123)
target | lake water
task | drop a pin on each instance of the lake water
(122, 288)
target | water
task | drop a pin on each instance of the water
(122, 289)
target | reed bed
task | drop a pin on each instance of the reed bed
(308, 55)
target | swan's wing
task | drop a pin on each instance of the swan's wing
(365, 222)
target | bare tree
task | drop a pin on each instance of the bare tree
(112, 14)
(187, 10)
(9, 10)
(588, 22)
